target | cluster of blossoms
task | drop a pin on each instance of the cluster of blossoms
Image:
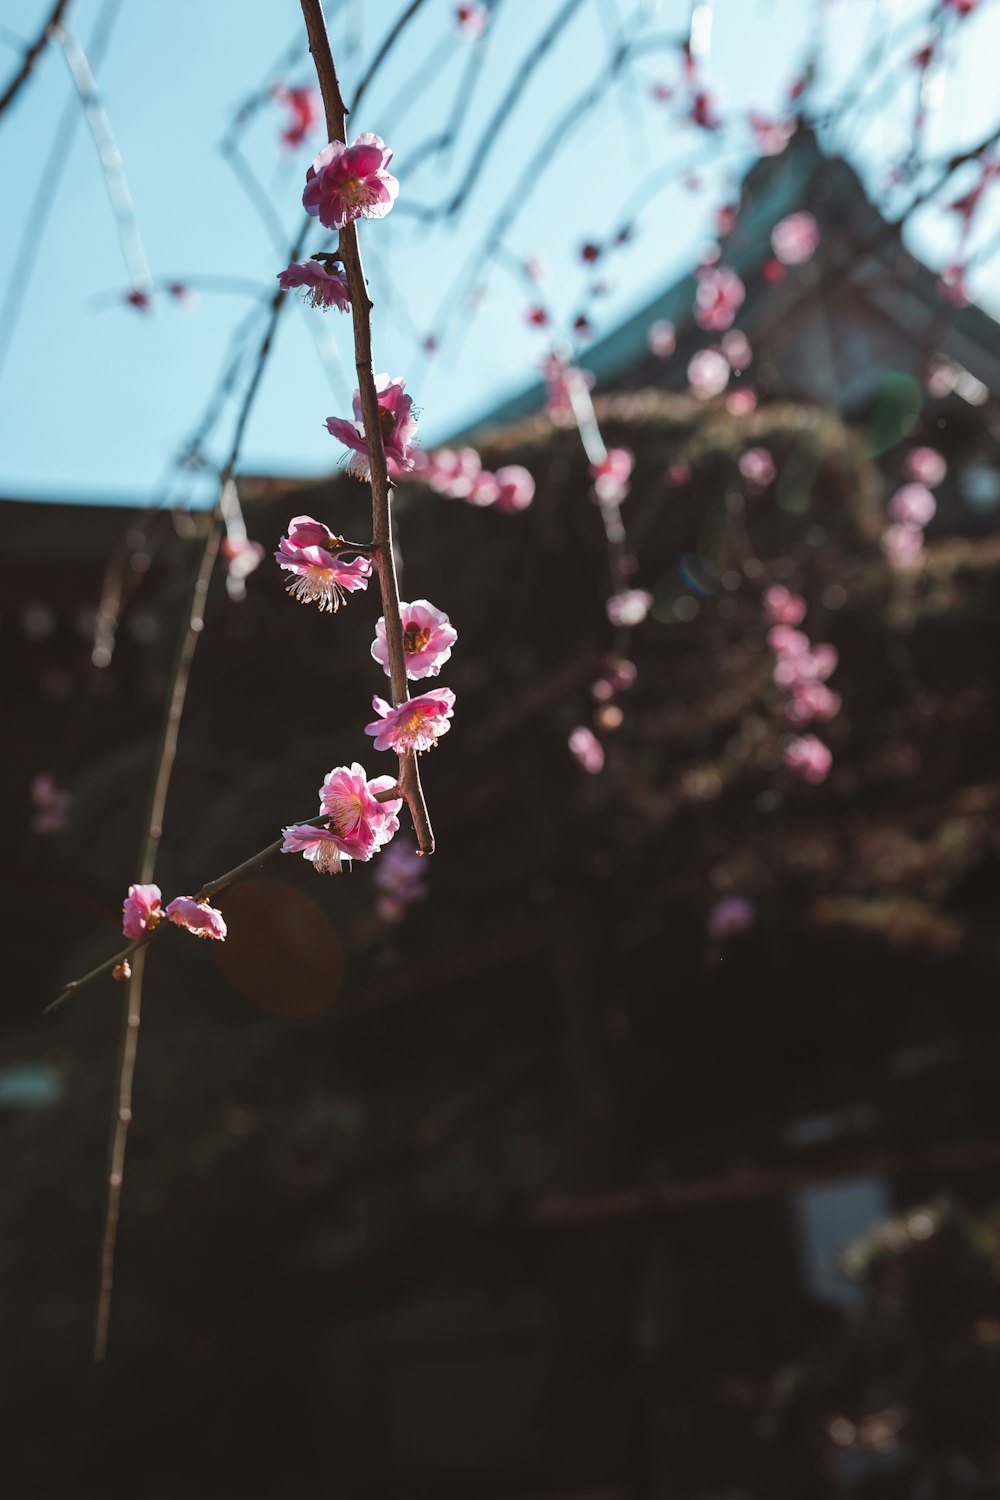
(710, 369)
(800, 672)
(143, 911)
(355, 823)
(319, 574)
(912, 508)
(719, 297)
(459, 474)
(617, 676)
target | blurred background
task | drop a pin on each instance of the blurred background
(644, 1141)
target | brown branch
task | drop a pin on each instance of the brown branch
(31, 56)
(361, 307)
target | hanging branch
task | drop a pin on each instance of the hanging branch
(361, 308)
(31, 56)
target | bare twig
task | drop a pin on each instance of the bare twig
(31, 56)
(336, 121)
(395, 31)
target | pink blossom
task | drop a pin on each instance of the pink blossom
(450, 473)
(961, 7)
(589, 253)
(621, 672)
(708, 373)
(583, 329)
(725, 219)
(485, 491)
(142, 910)
(243, 555)
(736, 347)
(662, 338)
(786, 642)
(795, 239)
(324, 287)
(51, 803)
(385, 824)
(197, 917)
(731, 917)
(811, 701)
(587, 749)
(719, 296)
(808, 758)
(416, 724)
(912, 505)
(772, 269)
(183, 295)
(318, 576)
(324, 849)
(303, 107)
(924, 57)
(784, 607)
(629, 607)
(346, 183)
(903, 546)
(740, 402)
(564, 382)
(398, 424)
(140, 300)
(927, 466)
(517, 488)
(757, 467)
(703, 111)
(612, 474)
(537, 316)
(472, 19)
(400, 879)
(771, 136)
(346, 799)
(428, 636)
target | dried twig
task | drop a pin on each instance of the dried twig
(31, 56)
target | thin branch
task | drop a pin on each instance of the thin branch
(336, 121)
(31, 56)
(394, 33)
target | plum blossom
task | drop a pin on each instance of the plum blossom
(795, 239)
(51, 803)
(141, 910)
(536, 316)
(811, 701)
(926, 466)
(740, 402)
(731, 917)
(912, 505)
(244, 557)
(517, 488)
(662, 338)
(303, 107)
(736, 347)
(807, 758)
(346, 183)
(400, 879)
(903, 546)
(324, 849)
(587, 749)
(708, 373)
(415, 725)
(324, 287)
(757, 467)
(428, 636)
(197, 917)
(725, 219)
(629, 607)
(719, 296)
(703, 111)
(783, 607)
(398, 425)
(472, 20)
(612, 474)
(318, 576)
(771, 136)
(563, 382)
(347, 800)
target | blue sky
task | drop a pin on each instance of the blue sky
(95, 399)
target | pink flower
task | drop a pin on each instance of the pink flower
(587, 749)
(736, 348)
(51, 803)
(612, 474)
(708, 374)
(725, 219)
(485, 490)
(630, 607)
(472, 19)
(140, 300)
(428, 636)
(324, 849)
(325, 287)
(719, 296)
(142, 910)
(731, 917)
(517, 488)
(400, 879)
(589, 253)
(903, 546)
(183, 295)
(349, 803)
(455, 473)
(197, 917)
(811, 701)
(808, 758)
(795, 239)
(912, 505)
(741, 402)
(771, 136)
(385, 823)
(303, 113)
(537, 316)
(563, 382)
(662, 338)
(784, 607)
(926, 466)
(398, 423)
(318, 576)
(346, 183)
(757, 467)
(416, 724)
(243, 555)
(703, 111)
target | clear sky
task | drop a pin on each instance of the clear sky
(96, 398)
